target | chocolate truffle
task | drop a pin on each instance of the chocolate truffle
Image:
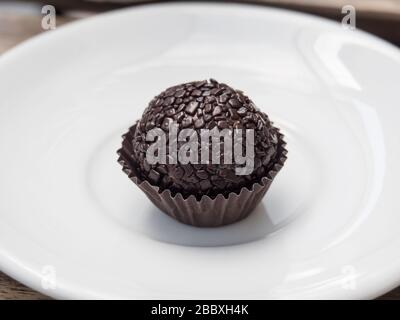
(204, 105)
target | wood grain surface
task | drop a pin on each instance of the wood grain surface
(15, 28)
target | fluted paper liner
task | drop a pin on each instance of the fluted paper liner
(206, 212)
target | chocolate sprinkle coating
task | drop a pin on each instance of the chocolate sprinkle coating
(203, 105)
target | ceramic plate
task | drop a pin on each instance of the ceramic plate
(72, 225)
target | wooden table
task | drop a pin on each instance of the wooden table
(15, 28)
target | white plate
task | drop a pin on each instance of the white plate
(329, 226)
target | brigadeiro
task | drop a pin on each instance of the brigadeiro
(183, 179)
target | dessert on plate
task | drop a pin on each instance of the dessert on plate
(203, 153)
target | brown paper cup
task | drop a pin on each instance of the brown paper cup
(206, 212)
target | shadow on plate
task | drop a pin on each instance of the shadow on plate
(163, 228)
